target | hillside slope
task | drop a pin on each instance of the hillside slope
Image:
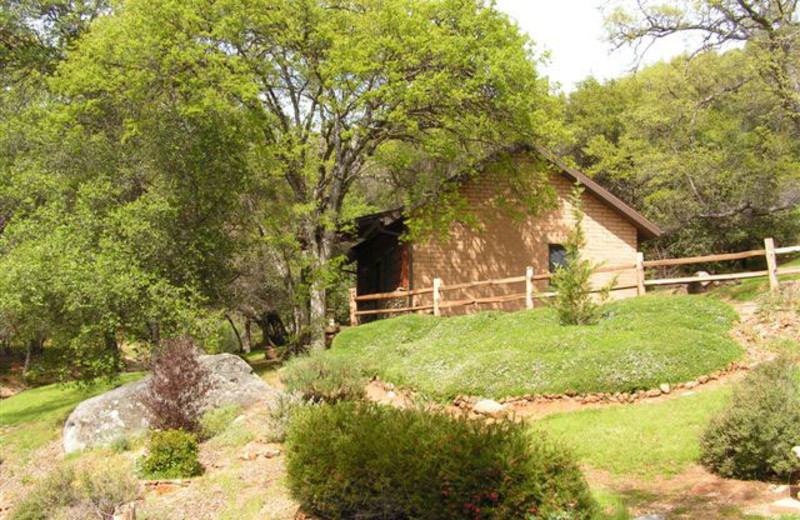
(638, 344)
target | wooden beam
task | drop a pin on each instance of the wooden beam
(640, 288)
(529, 287)
(787, 250)
(709, 278)
(436, 297)
(389, 295)
(772, 265)
(353, 308)
(703, 259)
(398, 310)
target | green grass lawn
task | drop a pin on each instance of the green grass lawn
(34, 417)
(644, 439)
(639, 343)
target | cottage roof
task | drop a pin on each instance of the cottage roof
(369, 224)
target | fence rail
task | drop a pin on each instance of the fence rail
(531, 295)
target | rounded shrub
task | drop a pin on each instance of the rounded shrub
(753, 437)
(321, 378)
(360, 460)
(172, 454)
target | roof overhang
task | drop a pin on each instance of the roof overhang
(370, 225)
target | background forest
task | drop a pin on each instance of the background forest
(192, 167)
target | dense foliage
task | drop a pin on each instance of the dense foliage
(177, 388)
(167, 163)
(753, 437)
(698, 145)
(357, 460)
(171, 454)
(321, 378)
(638, 343)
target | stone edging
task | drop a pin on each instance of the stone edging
(469, 402)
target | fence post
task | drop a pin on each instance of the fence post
(353, 308)
(772, 264)
(529, 287)
(436, 297)
(640, 289)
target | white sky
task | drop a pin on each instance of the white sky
(572, 30)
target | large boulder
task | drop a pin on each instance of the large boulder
(119, 412)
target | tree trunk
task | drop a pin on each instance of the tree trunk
(238, 336)
(322, 250)
(248, 336)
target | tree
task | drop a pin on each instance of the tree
(770, 28)
(573, 281)
(320, 87)
(700, 145)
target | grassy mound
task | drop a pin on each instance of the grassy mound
(638, 344)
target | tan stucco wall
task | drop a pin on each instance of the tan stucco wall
(505, 246)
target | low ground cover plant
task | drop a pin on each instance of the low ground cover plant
(360, 460)
(319, 377)
(177, 388)
(638, 343)
(753, 437)
(87, 494)
(171, 454)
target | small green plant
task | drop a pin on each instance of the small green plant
(361, 460)
(322, 378)
(217, 420)
(55, 491)
(94, 493)
(171, 454)
(753, 437)
(120, 445)
(280, 414)
(573, 282)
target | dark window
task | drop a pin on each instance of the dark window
(558, 257)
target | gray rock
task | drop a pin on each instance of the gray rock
(119, 412)
(650, 517)
(488, 407)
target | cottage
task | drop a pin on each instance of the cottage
(501, 246)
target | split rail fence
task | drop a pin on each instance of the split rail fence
(438, 289)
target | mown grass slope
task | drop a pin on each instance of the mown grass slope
(638, 344)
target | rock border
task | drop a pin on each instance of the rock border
(468, 403)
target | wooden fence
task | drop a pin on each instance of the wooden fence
(531, 295)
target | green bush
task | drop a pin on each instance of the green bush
(360, 460)
(753, 437)
(217, 420)
(55, 491)
(322, 378)
(95, 493)
(279, 415)
(120, 444)
(172, 454)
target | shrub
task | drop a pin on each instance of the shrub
(752, 438)
(177, 388)
(321, 378)
(573, 281)
(361, 460)
(279, 414)
(120, 444)
(172, 454)
(217, 420)
(106, 490)
(56, 490)
(94, 494)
